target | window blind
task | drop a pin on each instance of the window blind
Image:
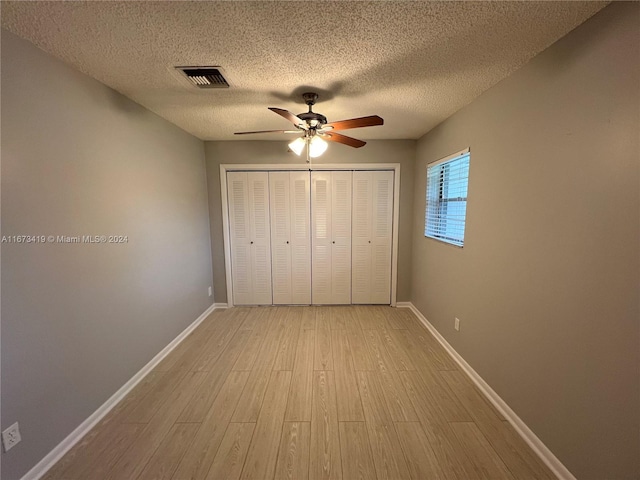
(446, 209)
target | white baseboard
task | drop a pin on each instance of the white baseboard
(74, 437)
(546, 455)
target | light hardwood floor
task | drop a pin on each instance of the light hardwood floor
(353, 392)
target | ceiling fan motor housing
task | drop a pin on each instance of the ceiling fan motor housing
(314, 120)
(309, 117)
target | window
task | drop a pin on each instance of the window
(447, 182)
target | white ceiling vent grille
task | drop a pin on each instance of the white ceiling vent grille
(205, 77)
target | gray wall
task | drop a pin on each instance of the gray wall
(275, 152)
(547, 284)
(80, 320)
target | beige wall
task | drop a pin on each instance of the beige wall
(272, 152)
(79, 320)
(547, 284)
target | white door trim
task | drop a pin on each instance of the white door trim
(224, 168)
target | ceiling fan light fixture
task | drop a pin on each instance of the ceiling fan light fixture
(297, 145)
(317, 146)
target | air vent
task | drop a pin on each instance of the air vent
(205, 77)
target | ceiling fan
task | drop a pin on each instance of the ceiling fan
(315, 129)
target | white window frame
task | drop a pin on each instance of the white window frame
(448, 240)
(224, 168)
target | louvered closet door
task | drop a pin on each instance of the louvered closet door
(341, 237)
(300, 237)
(248, 201)
(321, 237)
(238, 202)
(331, 237)
(372, 236)
(261, 237)
(290, 238)
(361, 237)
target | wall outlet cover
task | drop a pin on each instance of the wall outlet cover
(210, 291)
(11, 437)
(457, 324)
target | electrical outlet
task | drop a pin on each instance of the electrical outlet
(11, 437)
(210, 292)
(456, 324)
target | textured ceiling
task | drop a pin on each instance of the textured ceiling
(412, 63)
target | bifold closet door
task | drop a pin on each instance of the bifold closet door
(331, 237)
(290, 237)
(372, 236)
(248, 202)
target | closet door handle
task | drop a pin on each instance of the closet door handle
(369, 241)
(287, 242)
(333, 241)
(251, 243)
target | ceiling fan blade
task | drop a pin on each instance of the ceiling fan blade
(268, 131)
(369, 121)
(336, 137)
(298, 122)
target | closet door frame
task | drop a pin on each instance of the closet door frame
(224, 168)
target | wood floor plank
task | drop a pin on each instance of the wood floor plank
(143, 410)
(442, 404)
(348, 396)
(395, 319)
(286, 352)
(411, 349)
(449, 455)
(421, 459)
(190, 347)
(299, 403)
(487, 464)
(263, 450)
(357, 462)
(372, 317)
(323, 359)
(246, 317)
(198, 343)
(249, 405)
(477, 405)
(505, 441)
(397, 401)
(293, 456)
(360, 317)
(202, 451)
(200, 403)
(349, 319)
(377, 350)
(407, 317)
(247, 357)
(430, 349)
(308, 317)
(133, 461)
(399, 356)
(166, 458)
(359, 351)
(266, 319)
(387, 454)
(337, 318)
(124, 408)
(324, 456)
(216, 345)
(97, 455)
(231, 455)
